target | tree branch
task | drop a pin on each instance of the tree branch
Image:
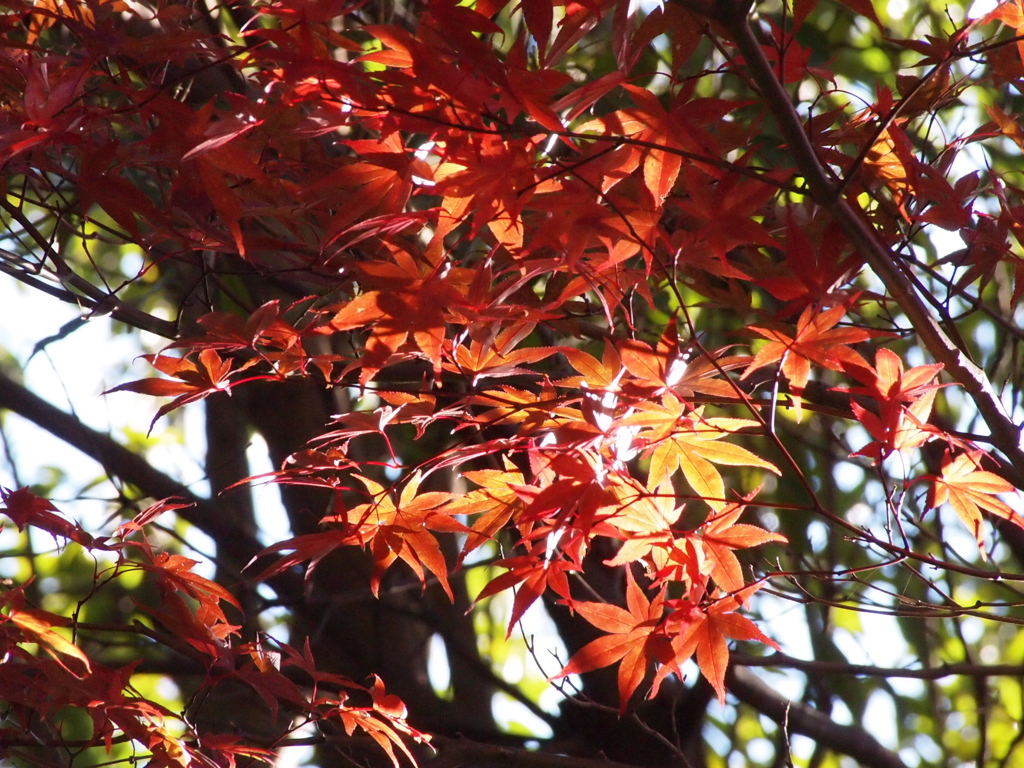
(459, 752)
(805, 720)
(89, 296)
(204, 514)
(1006, 436)
(867, 670)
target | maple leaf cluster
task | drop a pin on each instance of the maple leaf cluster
(190, 619)
(477, 243)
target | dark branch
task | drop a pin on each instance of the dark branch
(805, 720)
(1006, 436)
(866, 670)
(231, 540)
(459, 752)
(85, 294)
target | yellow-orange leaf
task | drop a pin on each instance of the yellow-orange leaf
(38, 627)
(695, 450)
(969, 490)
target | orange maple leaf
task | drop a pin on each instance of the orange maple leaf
(498, 356)
(38, 627)
(597, 374)
(651, 124)
(384, 722)
(816, 340)
(645, 521)
(706, 630)
(969, 490)
(721, 534)
(664, 366)
(400, 530)
(693, 444)
(633, 638)
(532, 411)
(495, 502)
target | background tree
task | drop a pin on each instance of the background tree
(693, 327)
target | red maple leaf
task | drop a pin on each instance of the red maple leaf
(721, 534)
(634, 638)
(904, 404)
(25, 508)
(415, 298)
(194, 381)
(706, 630)
(535, 574)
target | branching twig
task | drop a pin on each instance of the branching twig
(868, 670)
(117, 460)
(733, 15)
(802, 719)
